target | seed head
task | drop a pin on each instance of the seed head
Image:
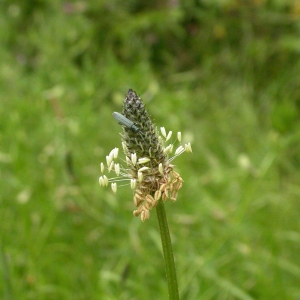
(151, 175)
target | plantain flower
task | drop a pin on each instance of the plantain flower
(148, 168)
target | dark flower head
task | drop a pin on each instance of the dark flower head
(151, 175)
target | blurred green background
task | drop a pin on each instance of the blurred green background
(225, 73)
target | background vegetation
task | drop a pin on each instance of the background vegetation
(225, 73)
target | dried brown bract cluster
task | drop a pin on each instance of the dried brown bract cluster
(166, 188)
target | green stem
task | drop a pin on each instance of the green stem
(168, 251)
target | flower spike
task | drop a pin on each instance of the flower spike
(148, 169)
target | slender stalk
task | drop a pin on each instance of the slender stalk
(168, 251)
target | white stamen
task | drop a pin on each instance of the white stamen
(143, 169)
(124, 147)
(116, 152)
(140, 176)
(163, 131)
(169, 135)
(179, 136)
(179, 150)
(101, 181)
(143, 160)
(108, 160)
(111, 166)
(160, 169)
(105, 180)
(133, 158)
(188, 148)
(102, 167)
(111, 154)
(133, 183)
(117, 169)
(168, 149)
(114, 187)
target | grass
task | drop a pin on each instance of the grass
(235, 226)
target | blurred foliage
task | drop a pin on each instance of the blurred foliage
(226, 72)
(255, 41)
(170, 35)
